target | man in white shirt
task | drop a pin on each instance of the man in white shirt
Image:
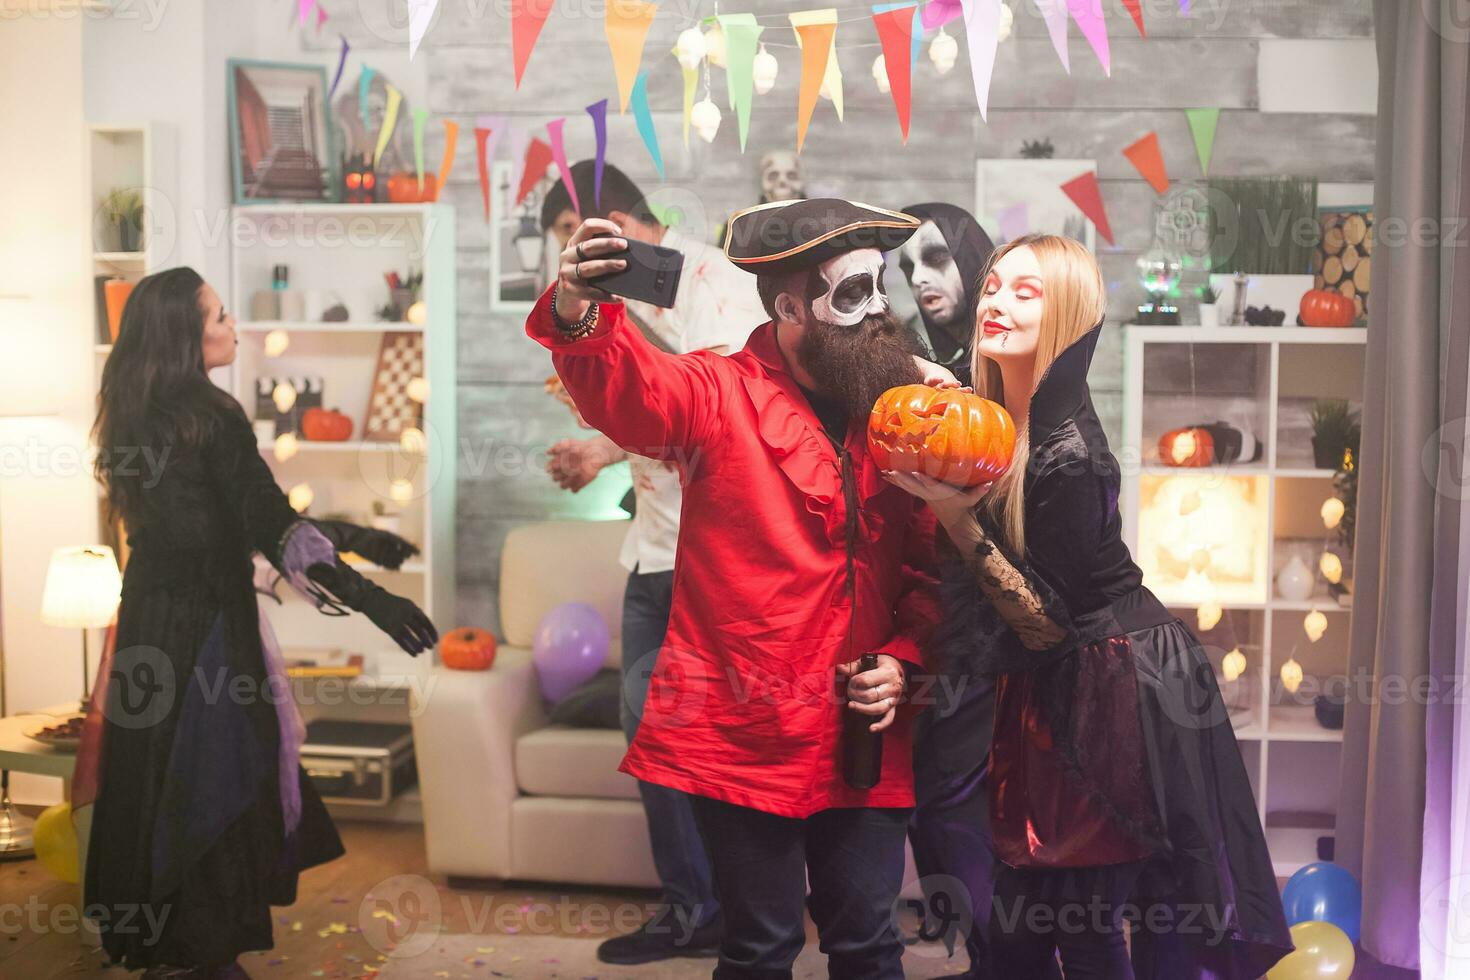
(716, 308)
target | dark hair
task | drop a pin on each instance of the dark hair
(771, 285)
(619, 193)
(155, 393)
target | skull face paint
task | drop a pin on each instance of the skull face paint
(854, 288)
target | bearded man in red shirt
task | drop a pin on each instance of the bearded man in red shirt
(795, 558)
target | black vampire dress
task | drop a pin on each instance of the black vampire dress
(203, 817)
(1111, 744)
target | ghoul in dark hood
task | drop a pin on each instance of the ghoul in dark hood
(970, 248)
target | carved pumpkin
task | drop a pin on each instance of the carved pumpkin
(954, 436)
(467, 649)
(1328, 308)
(321, 425)
(1192, 446)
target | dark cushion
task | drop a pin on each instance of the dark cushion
(593, 705)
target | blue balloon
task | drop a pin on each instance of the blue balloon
(1325, 892)
(570, 646)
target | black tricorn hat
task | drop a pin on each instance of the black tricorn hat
(784, 236)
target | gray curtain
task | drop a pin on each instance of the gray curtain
(1399, 766)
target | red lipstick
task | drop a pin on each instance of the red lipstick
(994, 327)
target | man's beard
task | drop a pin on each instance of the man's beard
(857, 364)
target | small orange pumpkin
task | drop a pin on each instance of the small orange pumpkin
(1191, 446)
(952, 435)
(1328, 308)
(467, 648)
(323, 425)
(403, 188)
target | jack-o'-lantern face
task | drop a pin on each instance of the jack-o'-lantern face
(951, 435)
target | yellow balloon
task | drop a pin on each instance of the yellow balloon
(1323, 952)
(56, 843)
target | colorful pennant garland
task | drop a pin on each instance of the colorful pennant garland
(420, 15)
(598, 112)
(1135, 10)
(691, 83)
(937, 13)
(420, 118)
(487, 132)
(644, 118)
(1055, 15)
(1202, 124)
(364, 86)
(982, 33)
(895, 29)
(627, 24)
(341, 64)
(815, 30)
(742, 37)
(446, 164)
(559, 156)
(1084, 192)
(1089, 17)
(538, 158)
(390, 120)
(1146, 156)
(527, 17)
(304, 8)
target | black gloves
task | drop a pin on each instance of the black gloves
(403, 621)
(382, 548)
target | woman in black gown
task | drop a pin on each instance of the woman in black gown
(1116, 786)
(203, 817)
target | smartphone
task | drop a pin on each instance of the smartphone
(652, 274)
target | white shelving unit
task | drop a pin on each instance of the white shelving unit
(345, 251)
(1243, 523)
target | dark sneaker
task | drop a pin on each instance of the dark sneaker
(663, 937)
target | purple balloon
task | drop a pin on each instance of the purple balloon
(571, 646)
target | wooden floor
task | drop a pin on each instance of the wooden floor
(40, 937)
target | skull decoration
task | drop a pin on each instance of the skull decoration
(781, 177)
(854, 288)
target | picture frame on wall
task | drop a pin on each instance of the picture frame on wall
(1014, 197)
(522, 257)
(281, 142)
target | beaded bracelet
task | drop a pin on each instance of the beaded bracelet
(578, 330)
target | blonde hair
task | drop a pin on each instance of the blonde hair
(1075, 299)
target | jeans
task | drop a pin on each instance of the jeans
(853, 859)
(678, 853)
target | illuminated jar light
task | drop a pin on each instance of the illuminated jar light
(1291, 675)
(1332, 511)
(1331, 567)
(300, 497)
(400, 491)
(1233, 665)
(1315, 624)
(413, 441)
(286, 446)
(1208, 616)
(417, 314)
(284, 396)
(418, 389)
(276, 343)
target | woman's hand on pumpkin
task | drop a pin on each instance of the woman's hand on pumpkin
(937, 375)
(950, 504)
(876, 692)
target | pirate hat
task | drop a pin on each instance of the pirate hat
(784, 236)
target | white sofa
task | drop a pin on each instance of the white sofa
(504, 794)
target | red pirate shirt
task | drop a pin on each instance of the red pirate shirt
(744, 704)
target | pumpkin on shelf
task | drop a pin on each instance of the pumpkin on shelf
(326, 425)
(954, 436)
(403, 188)
(1189, 446)
(1328, 308)
(467, 648)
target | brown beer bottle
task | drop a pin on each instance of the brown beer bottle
(862, 750)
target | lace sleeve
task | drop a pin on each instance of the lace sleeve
(1039, 624)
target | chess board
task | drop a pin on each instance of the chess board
(390, 410)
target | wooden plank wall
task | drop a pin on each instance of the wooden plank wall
(1208, 59)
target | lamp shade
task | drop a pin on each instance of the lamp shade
(83, 587)
(24, 389)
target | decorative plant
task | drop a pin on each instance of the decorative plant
(1335, 434)
(1037, 150)
(1209, 295)
(1263, 225)
(124, 205)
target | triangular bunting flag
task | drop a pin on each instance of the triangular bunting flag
(1055, 14)
(1089, 17)
(487, 133)
(832, 80)
(538, 158)
(390, 120)
(420, 117)
(598, 112)
(742, 35)
(446, 163)
(420, 13)
(364, 86)
(627, 24)
(1146, 156)
(982, 32)
(304, 8)
(1202, 123)
(895, 32)
(916, 34)
(341, 64)
(559, 155)
(814, 37)
(644, 118)
(527, 17)
(937, 13)
(1135, 10)
(321, 18)
(1085, 194)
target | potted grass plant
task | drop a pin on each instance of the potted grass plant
(1209, 308)
(1335, 433)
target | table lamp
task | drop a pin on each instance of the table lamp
(83, 587)
(24, 393)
